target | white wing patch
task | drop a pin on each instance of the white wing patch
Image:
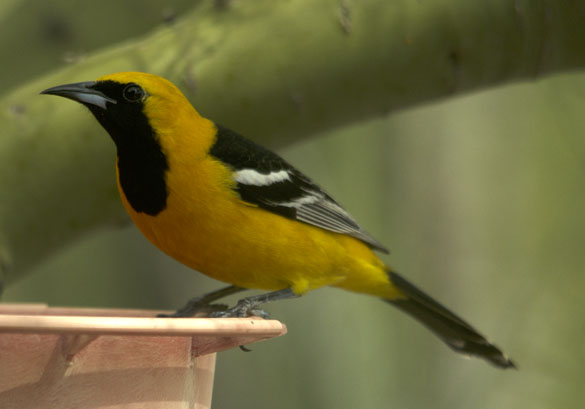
(310, 205)
(264, 179)
(255, 178)
(300, 201)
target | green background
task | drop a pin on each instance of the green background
(480, 199)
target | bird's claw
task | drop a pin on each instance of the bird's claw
(241, 310)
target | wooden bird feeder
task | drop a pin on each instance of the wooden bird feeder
(72, 358)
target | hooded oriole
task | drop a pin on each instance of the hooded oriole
(239, 213)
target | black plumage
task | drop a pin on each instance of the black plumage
(290, 193)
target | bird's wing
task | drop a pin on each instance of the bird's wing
(268, 181)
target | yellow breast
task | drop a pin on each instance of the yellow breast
(208, 228)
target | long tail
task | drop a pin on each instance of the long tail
(456, 333)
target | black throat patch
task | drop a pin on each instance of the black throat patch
(142, 177)
(142, 164)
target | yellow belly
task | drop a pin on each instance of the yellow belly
(244, 245)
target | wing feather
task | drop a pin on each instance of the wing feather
(268, 181)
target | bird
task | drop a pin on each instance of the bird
(235, 211)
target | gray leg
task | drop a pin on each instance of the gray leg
(203, 303)
(247, 307)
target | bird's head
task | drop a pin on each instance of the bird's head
(129, 105)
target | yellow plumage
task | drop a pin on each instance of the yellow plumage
(220, 205)
(207, 227)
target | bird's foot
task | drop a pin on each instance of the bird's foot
(244, 308)
(202, 306)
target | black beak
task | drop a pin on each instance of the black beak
(82, 92)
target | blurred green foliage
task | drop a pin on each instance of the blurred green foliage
(480, 199)
(37, 36)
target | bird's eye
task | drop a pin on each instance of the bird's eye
(133, 93)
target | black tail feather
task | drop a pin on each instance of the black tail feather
(456, 333)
